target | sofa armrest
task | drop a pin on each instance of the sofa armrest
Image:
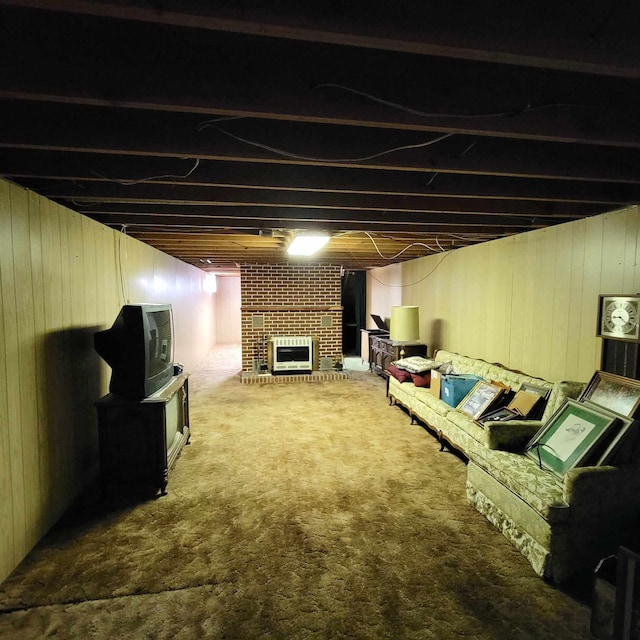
(599, 490)
(510, 435)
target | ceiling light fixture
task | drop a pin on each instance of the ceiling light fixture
(307, 244)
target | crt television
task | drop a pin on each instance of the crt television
(138, 348)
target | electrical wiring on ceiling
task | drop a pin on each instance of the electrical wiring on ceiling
(84, 204)
(409, 246)
(440, 248)
(214, 121)
(417, 112)
(293, 156)
(528, 108)
(128, 183)
(410, 284)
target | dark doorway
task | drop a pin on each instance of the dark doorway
(354, 307)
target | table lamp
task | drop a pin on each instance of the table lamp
(405, 325)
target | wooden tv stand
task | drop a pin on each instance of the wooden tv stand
(134, 451)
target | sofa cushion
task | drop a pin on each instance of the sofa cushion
(404, 388)
(596, 492)
(416, 364)
(399, 374)
(487, 370)
(537, 487)
(510, 435)
(468, 425)
(560, 391)
(436, 405)
(421, 379)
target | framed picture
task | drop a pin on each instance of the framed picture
(500, 415)
(535, 388)
(617, 446)
(613, 392)
(524, 402)
(479, 399)
(621, 447)
(569, 436)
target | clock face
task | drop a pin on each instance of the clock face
(619, 317)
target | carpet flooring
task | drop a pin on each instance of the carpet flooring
(298, 511)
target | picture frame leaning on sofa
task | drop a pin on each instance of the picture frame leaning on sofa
(613, 392)
(571, 436)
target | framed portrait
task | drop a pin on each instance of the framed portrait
(479, 399)
(569, 436)
(613, 392)
(500, 415)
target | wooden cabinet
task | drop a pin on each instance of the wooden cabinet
(384, 351)
(365, 341)
(141, 439)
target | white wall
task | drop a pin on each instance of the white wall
(384, 290)
(228, 316)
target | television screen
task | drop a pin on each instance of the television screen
(138, 348)
(159, 338)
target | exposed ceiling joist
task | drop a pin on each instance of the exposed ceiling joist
(428, 125)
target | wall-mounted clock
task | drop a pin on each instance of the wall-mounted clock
(619, 317)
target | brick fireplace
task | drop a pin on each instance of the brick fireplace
(295, 300)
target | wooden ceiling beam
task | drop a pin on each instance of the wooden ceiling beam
(452, 224)
(579, 123)
(160, 196)
(291, 216)
(189, 239)
(446, 124)
(300, 81)
(132, 133)
(350, 241)
(545, 36)
(52, 169)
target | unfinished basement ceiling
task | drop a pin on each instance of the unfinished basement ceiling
(213, 131)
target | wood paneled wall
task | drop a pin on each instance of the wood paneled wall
(528, 301)
(63, 277)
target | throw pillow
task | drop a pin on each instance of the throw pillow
(399, 374)
(416, 364)
(421, 380)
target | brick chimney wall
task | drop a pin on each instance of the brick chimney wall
(295, 300)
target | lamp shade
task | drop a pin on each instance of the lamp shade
(405, 324)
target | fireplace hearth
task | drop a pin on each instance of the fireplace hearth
(248, 377)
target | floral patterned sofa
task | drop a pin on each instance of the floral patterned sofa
(561, 525)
